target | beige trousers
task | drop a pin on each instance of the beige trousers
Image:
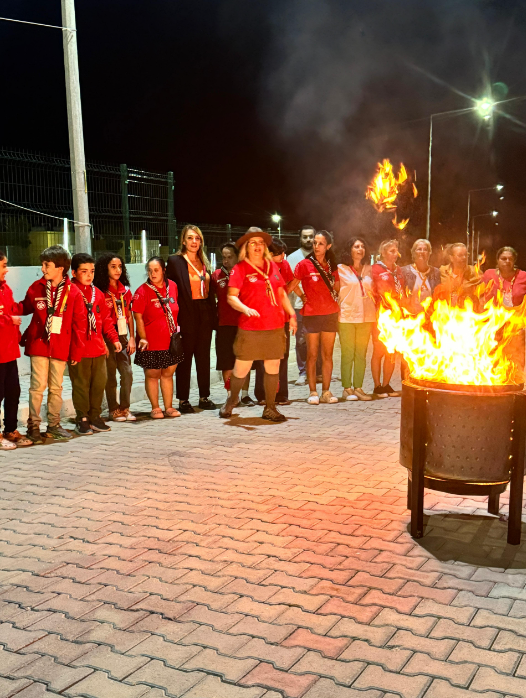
(45, 373)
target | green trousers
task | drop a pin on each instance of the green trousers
(354, 340)
(88, 379)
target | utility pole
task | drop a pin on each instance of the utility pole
(76, 136)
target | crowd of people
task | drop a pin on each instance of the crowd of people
(94, 324)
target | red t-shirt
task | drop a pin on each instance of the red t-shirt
(286, 272)
(319, 300)
(495, 283)
(227, 315)
(146, 303)
(9, 332)
(384, 281)
(122, 296)
(253, 293)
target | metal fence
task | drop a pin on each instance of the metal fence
(123, 202)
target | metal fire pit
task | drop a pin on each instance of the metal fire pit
(466, 440)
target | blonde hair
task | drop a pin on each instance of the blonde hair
(243, 252)
(383, 247)
(420, 242)
(201, 251)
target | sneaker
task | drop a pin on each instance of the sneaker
(391, 392)
(33, 433)
(328, 398)
(6, 445)
(185, 407)
(118, 416)
(361, 395)
(313, 399)
(206, 404)
(380, 392)
(99, 425)
(18, 439)
(226, 411)
(272, 414)
(83, 427)
(58, 433)
(129, 416)
(302, 380)
(348, 394)
(247, 401)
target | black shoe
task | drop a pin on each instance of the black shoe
(273, 415)
(380, 391)
(99, 425)
(83, 427)
(206, 404)
(282, 400)
(34, 434)
(391, 392)
(226, 411)
(58, 433)
(185, 407)
(247, 401)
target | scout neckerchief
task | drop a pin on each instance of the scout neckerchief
(226, 272)
(165, 305)
(328, 279)
(359, 277)
(51, 307)
(92, 322)
(201, 275)
(507, 296)
(264, 274)
(398, 285)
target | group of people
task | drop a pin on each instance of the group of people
(93, 324)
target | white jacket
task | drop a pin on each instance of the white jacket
(354, 307)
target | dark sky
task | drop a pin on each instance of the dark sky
(284, 105)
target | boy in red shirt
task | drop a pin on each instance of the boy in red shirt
(54, 336)
(9, 353)
(89, 375)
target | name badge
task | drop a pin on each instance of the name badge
(122, 326)
(56, 324)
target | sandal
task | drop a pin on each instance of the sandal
(172, 412)
(6, 445)
(328, 397)
(157, 413)
(313, 399)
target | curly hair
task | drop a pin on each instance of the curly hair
(102, 279)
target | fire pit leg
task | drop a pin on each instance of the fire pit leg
(417, 469)
(517, 470)
(494, 504)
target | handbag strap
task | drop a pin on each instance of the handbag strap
(165, 302)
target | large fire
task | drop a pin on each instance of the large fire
(454, 344)
(385, 188)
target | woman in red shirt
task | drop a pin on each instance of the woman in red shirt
(155, 309)
(257, 290)
(387, 278)
(318, 275)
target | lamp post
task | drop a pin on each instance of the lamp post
(493, 214)
(484, 107)
(497, 187)
(277, 219)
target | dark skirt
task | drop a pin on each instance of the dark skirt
(225, 337)
(313, 324)
(155, 359)
(260, 345)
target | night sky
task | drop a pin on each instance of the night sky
(285, 105)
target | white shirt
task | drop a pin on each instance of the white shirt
(355, 305)
(294, 259)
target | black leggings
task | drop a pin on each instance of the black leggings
(196, 344)
(9, 394)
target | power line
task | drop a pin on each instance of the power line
(37, 24)
(58, 218)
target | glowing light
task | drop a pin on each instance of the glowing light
(499, 187)
(485, 108)
(276, 217)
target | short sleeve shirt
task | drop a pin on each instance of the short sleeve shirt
(253, 293)
(319, 299)
(146, 303)
(286, 272)
(227, 315)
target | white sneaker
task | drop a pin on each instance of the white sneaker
(302, 380)
(328, 397)
(313, 399)
(348, 394)
(129, 416)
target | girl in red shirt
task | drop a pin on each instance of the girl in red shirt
(318, 274)
(111, 278)
(155, 310)
(387, 278)
(257, 291)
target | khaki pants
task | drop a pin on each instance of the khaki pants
(45, 373)
(118, 361)
(88, 379)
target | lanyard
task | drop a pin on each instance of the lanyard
(119, 312)
(202, 276)
(359, 277)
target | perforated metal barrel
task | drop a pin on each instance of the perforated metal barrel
(468, 434)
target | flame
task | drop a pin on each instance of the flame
(402, 223)
(385, 188)
(455, 344)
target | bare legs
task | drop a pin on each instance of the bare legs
(326, 339)
(152, 378)
(379, 353)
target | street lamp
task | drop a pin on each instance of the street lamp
(484, 108)
(277, 219)
(497, 187)
(493, 214)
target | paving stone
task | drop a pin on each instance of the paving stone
(479, 636)
(443, 689)
(505, 662)
(213, 687)
(350, 628)
(14, 639)
(229, 668)
(498, 605)
(489, 680)
(406, 686)
(266, 676)
(157, 675)
(269, 632)
(419, 626)
(56, 676)
(99, 685)
(280, 656)
(438, 649)
(11, 687)
(391, 658)
(341, 672)
(328, 647)
(458, 675)
(325, 688)
(117, 665)
(63, 651)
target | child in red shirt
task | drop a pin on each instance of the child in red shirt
(9, 352)
(111, 278)
(88, 376)
(54, 336)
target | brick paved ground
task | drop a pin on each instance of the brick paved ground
(241, 559)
